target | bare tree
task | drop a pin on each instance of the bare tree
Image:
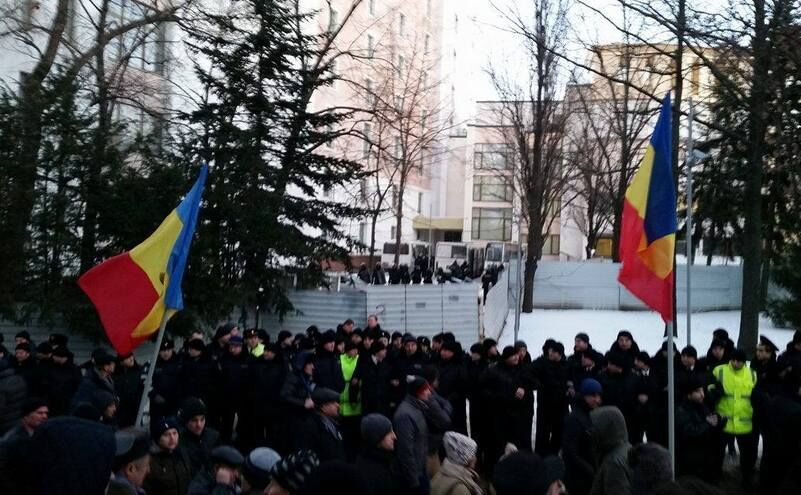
(532, 122)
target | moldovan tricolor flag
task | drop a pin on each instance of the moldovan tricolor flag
(135, 290)
(648, 234)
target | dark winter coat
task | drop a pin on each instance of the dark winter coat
(234, 372)
(296, 389)
(200, 378)
(63, 382)
(13, 392)
(167, 384)
(266, 380)
(551, 382)
(696, 441)
(454, 386)
(375, 465)
(781, 442)
(439, 417)
(629, 355)
(198, 449)
(328, 371)
(321, 435)
(129, 387)
(611, 445)
(29, 371)
(170, 473)
(577, 450)
(619, 391)
(411, 446)
(90, 387)
(15, 471)
(204, 483)
(375, 385)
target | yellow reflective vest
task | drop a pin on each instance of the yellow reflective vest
(735, 404)
(257, 351)
(349, 406)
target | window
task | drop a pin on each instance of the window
(401, 63)
(363, 189)
(402, 25)
(492, 156)
(392, 234)
(363, 232)
(493, 224)
(333, 20)
(551, 245)
(370, 46)
(367, 131)
(492, 188)
(419, 202)
(371, 7)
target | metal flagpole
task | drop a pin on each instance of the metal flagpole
(149, 380)
(671, 400)
(690, 162)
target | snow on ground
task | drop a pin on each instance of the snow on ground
(647, 328)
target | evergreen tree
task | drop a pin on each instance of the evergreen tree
(263, 212)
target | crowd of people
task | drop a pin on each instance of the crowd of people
(422, 273)
(363, 410)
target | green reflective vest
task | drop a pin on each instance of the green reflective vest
(348, 408)
(257, 351)
(735, 405)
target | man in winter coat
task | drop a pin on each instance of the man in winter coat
(350, 400)
(453, 383)
(734, 384)
(457, 475)
(412, 444)
(197, 438)
(782, 441)
(374, 374)
(551, 373)
(319, 431)
(97, 378)
(297, 389)
(612, 446)
(697, 435)
(525, 473)
(505, 392)
(166, 394)
(577, 448)
(377, 454)
(327, 369)
(619, 384)
(15, 447)
(129, 387)
(234, 368)
(627, 347)
(170, 470)
(13, 392)
(64, 377)
(221, 478)
(25, 365)
(200, 376)
(131, 463)
(266, 378)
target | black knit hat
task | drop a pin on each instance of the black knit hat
(583, 337)
(159, 426)
(408, 338)
(58, 340)
(328, 336)
(739, 355)
(23, 335)
(131, 444)
(644, 358)
(374, 427)
(477, 349)
(283, 335)
(768, 343)
(524, 473)
(453, 347)
(226, 455)
(197, 345)
(690, 351)
(508, 352)
(625, 333)
(31, 404)
(190, 408)
(377, 347)
(167, 344)
(292, 471)
(102, 358)
(616, 358)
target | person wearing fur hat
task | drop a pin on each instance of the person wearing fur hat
(170, 470)
(411, 429)
(457, 476)
(63, 378)
(377, 454)
(197, 438)
(233, 369)
(166, 393)
(319, 431)
(98, 377)
(577, 450)
(290, 474)
(256, 470)
(129, 386)
(223, 475)
(453, 382)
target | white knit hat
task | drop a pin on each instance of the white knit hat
(459, 449)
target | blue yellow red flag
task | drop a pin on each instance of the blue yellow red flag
(648, 233)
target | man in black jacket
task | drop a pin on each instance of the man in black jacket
(64, 378)
(577, 449)
(377, 455)
(551, 373)
(97, 378)
(453, 384)
(233, 380)
(411, 447)
(697, 435)
(197, 438)
(267, 375)
(327, 370)
(319, 432)
(129, 386)
(373, 374)
(166, 394)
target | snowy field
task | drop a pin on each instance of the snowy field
(647, 328)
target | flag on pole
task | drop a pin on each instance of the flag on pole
(135, 290)
(648, 233)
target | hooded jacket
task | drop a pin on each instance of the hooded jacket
(611, 445)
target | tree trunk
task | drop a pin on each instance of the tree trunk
(371, 257)
(399, 219)
(752, 211)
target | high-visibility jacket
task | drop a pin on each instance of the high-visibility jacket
(735, 403)
(257, 351)
(348, 408)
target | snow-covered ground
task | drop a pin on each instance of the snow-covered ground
(647, 328)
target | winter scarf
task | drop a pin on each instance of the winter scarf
(462, 474)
